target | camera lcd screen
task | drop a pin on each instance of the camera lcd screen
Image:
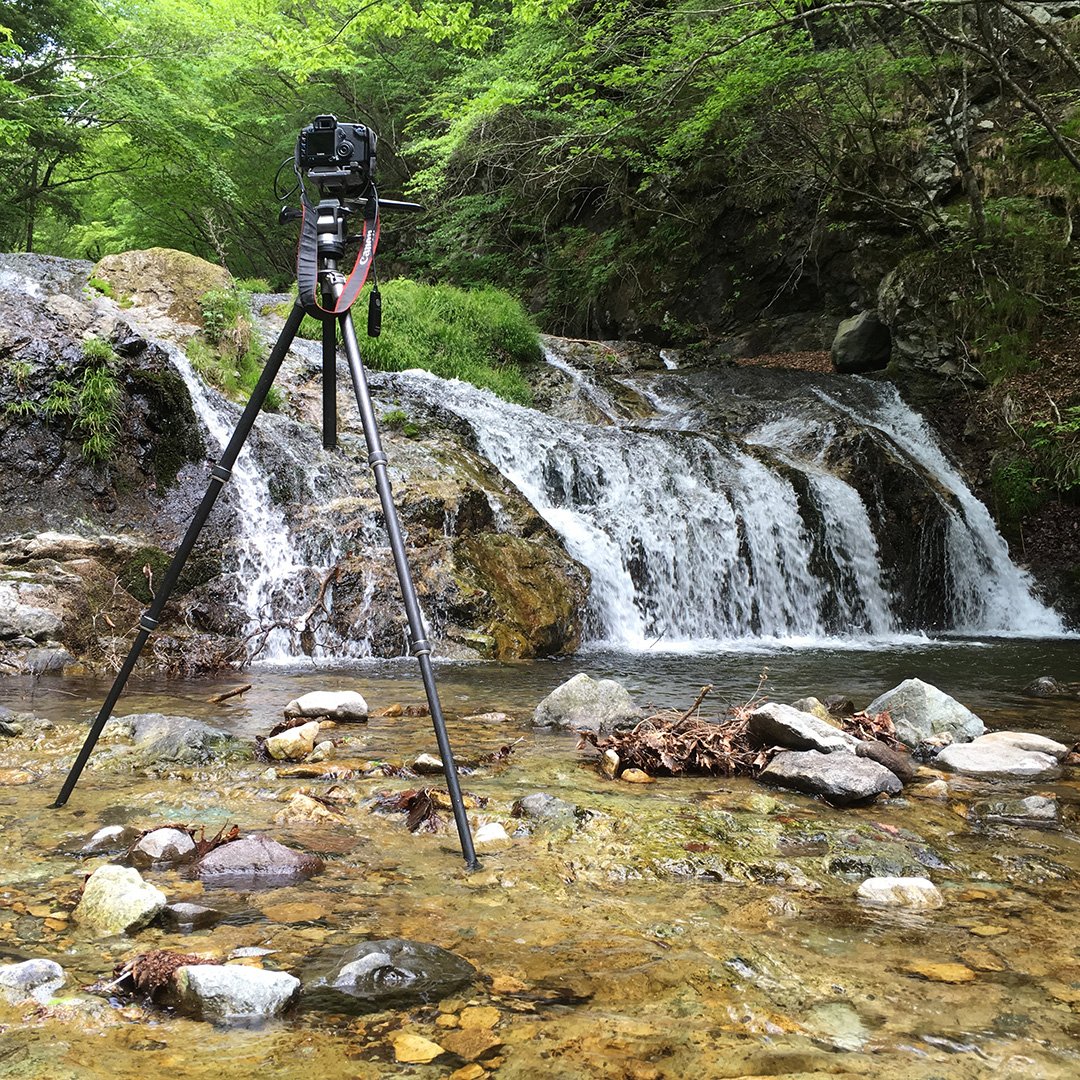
(321, 143)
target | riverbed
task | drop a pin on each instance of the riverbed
(654, 938)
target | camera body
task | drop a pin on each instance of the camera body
(335, 154)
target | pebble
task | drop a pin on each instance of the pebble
(637, 776)
(414, 1049)
(946, 973)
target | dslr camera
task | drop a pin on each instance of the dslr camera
(340, 156)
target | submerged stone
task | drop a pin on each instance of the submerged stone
(901, 891)
(385, 974)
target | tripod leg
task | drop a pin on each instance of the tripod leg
(218, 475)
(329, 384)
(419, 645)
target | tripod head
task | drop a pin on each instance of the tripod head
(339, 160)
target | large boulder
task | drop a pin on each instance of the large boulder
(255, 860)
(231, 993)
(168, 282)
(862, 343)
(920, 711)
(996, 758)
(160, 742)
(586, 704)
(116, 900)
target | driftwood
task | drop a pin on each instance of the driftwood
(673, 743)
(230, 694)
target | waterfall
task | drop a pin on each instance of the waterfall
(692, 534)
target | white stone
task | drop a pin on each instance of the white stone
(490, 834)
(784, 725)
(32, 979)
(901, 891)
(293, 744)
(992, 758)
(337, 704)
(233, 992)
(1026, 740)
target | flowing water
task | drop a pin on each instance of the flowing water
(685, 928)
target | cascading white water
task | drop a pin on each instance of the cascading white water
(692, 536)
(272, 576)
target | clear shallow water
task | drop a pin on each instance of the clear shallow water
(673, 973)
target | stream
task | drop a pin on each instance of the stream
(602, 950)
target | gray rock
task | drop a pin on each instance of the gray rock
(254, 860)
(344, 705)
(1047, 686)
(161, 741)
(32, 979)
(1027, 740)
(116, 900)
(862, 343)
(545, 810)
(585, 704)
(784, 725)
(232, 993)
(40, 661)
(841, 777)
(383, 974)
(108, 840)
(162, 848)
(920, 711)
(981, 758)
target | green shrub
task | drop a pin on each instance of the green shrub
(229, 353)
(1016, 486)
(479, 336)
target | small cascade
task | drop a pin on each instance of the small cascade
(273, 578)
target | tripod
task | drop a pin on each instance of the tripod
(328, 228)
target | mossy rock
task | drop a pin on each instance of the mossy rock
(171, 281)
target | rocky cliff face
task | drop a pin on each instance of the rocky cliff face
(86, 541)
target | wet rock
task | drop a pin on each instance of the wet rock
(1026, 740)
(185, 917)
(32, 979)
(40, 661)
(255, 860)
(783, 725)
(108, 840)
(900, 764)
(545, 809)
(491, 835)
(116, 900)
(427, 765)
(1047, 686)
(1036, 811)
(585, 704)
(995, 758)
(812, 706)
(841, 777)
(162, 848)
(901, 892)
(344, 705)
(293, 744)
(919, 711)
(232, 993)
(385, 974)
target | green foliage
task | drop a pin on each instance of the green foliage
(97, 402)
(1056, 444)
(479, 336)
(228, 354)
(1016, 488)
(61, 400)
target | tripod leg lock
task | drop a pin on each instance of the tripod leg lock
(377, 458)
(220, 474)
(421, 647)
(148, 624)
